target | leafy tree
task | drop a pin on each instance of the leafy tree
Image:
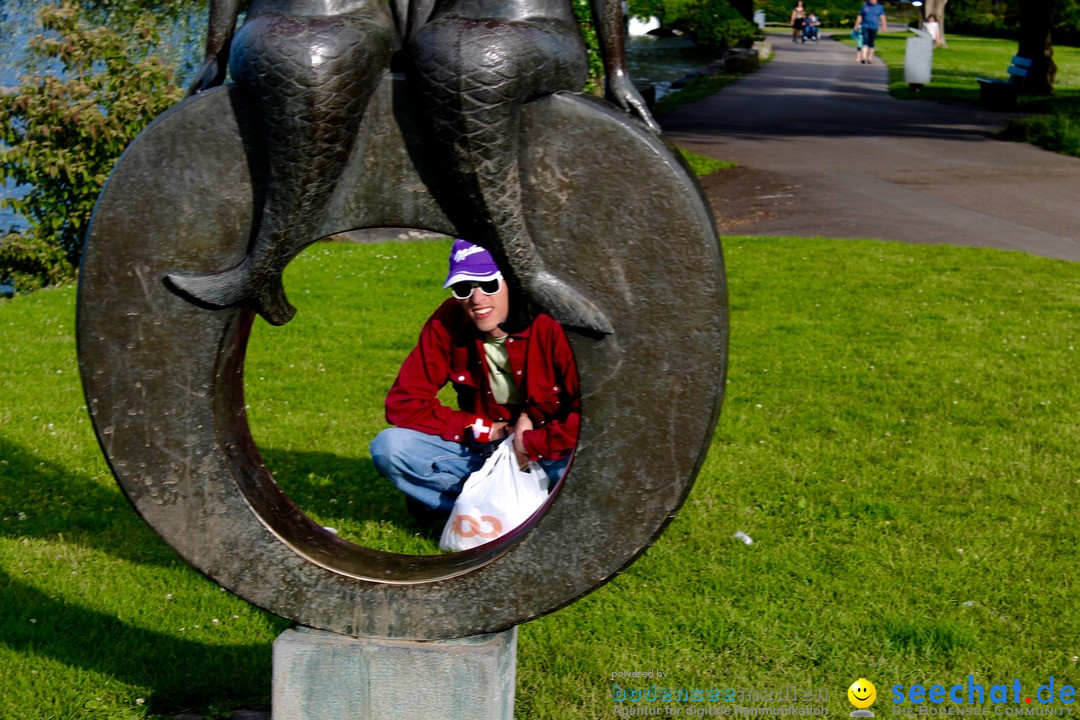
(115, 12)
(595, 81)
(711, 23)
(716, 25)
(831, 13)
(645, 9)
(65, 126)
(1032, 22)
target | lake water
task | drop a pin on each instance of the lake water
(14, 27)
(655, 60)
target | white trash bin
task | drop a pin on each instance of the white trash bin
(918, 58)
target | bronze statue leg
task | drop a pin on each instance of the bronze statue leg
(475, 76)
(310, 79)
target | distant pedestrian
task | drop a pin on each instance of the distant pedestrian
(810, 27)
(933, 27)
(856, 35)
(871, 20)
(798, 19)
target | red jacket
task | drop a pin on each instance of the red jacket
(450, 349)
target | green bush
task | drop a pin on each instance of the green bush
(985, 19)
(711, 23)
(716, 25)
(594, 83)
(1057, 132)
(1001, 18)
(28, 263)
(831, 13)
(87, 93)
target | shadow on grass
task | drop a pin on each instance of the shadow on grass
(42, 499)
(333, 487)
(179, 673)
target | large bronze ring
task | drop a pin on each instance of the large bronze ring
(164, 378)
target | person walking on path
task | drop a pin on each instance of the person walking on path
(798, 18)
(871, 20)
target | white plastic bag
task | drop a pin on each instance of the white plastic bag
(495, 499)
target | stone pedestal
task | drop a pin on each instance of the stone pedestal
(325, 676)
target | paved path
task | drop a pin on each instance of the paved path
(824, 150)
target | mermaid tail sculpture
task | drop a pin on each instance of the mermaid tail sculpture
(310, 76)
(309, 67)
(475, 64)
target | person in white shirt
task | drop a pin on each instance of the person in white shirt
(933, 27)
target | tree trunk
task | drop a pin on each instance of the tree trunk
(1035, 44)
(745, 8)
(937, 9)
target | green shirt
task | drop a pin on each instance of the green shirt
(503, 387)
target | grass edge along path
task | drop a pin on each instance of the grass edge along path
(701, 87)
(898, 438)
(1052, 123)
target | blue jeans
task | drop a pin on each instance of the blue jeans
(432, 470)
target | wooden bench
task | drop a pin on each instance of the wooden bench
(1001, 94)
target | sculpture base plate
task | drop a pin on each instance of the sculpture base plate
(326, 676)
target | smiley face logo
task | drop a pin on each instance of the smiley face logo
(862, 693)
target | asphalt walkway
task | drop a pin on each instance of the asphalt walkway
(824, 150)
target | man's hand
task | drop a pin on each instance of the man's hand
(498, 431)
(524, 422)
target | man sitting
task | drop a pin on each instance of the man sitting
(509, 376)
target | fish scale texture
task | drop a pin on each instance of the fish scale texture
(310, 79)
(475, 78)
(310, 107)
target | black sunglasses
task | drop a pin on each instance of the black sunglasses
(463, 290)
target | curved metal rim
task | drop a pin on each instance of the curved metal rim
(388, 586)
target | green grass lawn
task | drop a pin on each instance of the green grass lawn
(1053, 122)
(967, 57)
(899, 438)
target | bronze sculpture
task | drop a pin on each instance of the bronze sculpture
(476, 63)
(310, 67)
(164, 377)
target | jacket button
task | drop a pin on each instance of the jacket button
(461, 378)
(518, 372)
(509, 339)
(555, 389)
(457, 437)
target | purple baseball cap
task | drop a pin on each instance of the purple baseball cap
(470, 262)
